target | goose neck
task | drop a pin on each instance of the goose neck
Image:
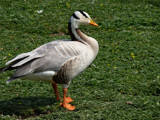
(72, 28)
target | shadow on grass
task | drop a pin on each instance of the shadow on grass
(25, 107)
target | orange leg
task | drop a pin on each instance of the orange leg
(67, 100)
(54, 85)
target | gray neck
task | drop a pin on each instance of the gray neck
(73, 32)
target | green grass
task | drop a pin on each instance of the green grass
(122, 83)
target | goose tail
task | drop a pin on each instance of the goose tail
(11, 79)
(3, 69)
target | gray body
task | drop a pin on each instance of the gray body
(57, 61)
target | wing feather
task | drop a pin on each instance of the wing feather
(50, 56)
(23, 55)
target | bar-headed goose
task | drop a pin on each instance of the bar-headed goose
(58, 62)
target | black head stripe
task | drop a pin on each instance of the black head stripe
(75, 16)
(83, 14)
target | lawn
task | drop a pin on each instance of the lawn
(122, 83)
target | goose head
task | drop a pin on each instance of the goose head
(81, 18)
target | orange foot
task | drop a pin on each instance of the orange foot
(69, 106)
(69, 100)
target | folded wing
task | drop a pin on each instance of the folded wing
(50, 56)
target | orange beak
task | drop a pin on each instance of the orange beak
(93, 23)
